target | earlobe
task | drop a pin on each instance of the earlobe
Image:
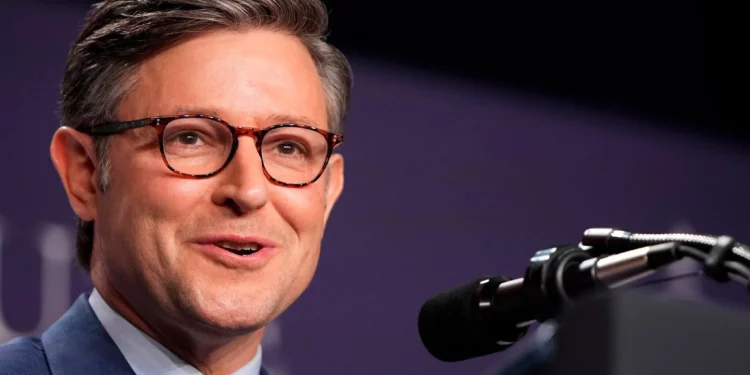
(74, 157)
(335, 183)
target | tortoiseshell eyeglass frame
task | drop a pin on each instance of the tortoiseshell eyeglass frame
(160, 122)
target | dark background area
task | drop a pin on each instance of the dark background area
(648, 59)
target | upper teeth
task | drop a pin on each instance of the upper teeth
(236, 246)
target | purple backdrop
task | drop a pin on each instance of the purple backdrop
(445, 181)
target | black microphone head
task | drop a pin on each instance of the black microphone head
(454, 328)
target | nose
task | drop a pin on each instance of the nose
(243, 186)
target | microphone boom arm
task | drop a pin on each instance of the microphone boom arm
(491, 313)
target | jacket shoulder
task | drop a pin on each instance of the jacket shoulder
(23, 356)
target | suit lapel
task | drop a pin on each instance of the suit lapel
(78, 344)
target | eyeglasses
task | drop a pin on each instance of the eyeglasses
(201, 146)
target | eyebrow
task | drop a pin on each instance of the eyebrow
(273, 119)
(190, 110)
(299, 120)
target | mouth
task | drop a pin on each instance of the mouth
(242, 249)
(238, 251)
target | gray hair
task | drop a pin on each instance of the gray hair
(120, 34)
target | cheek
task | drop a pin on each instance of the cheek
(302, 208)
(148, 202)
(163, 199)
(151, 189)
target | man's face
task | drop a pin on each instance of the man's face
(152, 226)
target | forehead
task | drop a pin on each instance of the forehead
(246, 77)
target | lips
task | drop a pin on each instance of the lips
(240, 248)
(239, 245)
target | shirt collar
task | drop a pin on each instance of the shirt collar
(145, 355)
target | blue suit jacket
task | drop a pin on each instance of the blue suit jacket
(76, 344)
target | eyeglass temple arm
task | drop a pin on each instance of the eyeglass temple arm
(116, 127)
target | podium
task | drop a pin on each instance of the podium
(630, 333)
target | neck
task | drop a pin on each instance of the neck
(209, 352)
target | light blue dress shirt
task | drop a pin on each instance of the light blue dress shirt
(144, 354)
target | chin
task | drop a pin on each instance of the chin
(229, 312)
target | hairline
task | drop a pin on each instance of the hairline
(131, 78)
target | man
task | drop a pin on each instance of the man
(197, 149)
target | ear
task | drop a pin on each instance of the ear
(334, 183)
(74, 156)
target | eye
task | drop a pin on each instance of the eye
(289, 148)
(192, 133)
(188, 138)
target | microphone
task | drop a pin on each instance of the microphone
(490, 314)
(459, 324)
